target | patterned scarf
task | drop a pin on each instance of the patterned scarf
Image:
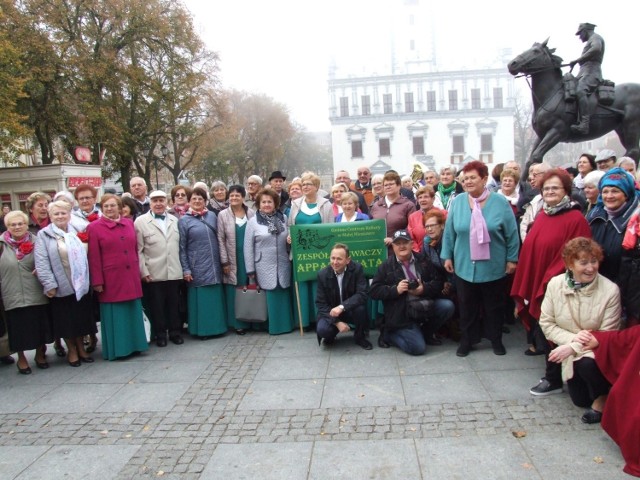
(77, 260)
(445, 193)
(565, 204)
(479, 238)
(22, 247)
(274, 221)
(572, 284)
(180, 210)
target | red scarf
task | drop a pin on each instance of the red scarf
(42, 223)
(22, 247)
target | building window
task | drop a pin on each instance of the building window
(408, 102)
(475, 99)
(431, 101)
(344, 106)
(356, 148)
(385, 147)
(366, 105)
(458, 144)
(418, 145)
(453, 99)
(386, 102)
(497, 98)
(486, 142)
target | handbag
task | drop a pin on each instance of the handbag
(251, 304)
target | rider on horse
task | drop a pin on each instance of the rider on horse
(590, 75)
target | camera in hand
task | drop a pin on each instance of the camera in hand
(413, 284)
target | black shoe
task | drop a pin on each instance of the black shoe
(241, 331)
(42, 365)
(544, 388)
(24, 371)
(498, 348)
(92, 344)
(77, 363)
(364, 343)
(59, 350)
(176, 339)
(463, 350)
(591, 416)
(433, 340)
(161, 341)
(87, 360)
(328, 341)
(382, 343)
(532, 353)
(7, 360)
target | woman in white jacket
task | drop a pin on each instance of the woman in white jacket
(580, 299)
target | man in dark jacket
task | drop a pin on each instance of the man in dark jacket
(398, 283)
(341, 298)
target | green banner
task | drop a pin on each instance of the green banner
(311, 246)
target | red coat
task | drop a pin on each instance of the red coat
(113, 260)
(541, 258)
(618, 357)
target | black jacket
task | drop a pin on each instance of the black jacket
(354, 289)
(384, 287)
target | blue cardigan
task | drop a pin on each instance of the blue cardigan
(503, 231)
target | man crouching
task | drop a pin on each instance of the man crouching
(341, 298)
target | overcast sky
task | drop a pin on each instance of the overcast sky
(283, 48)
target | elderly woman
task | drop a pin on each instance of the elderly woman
(508, 182)
(232, 225)
(628, 164)
(590, 190)
(87, 210)
(559, 221)
(392, 207)
(267, 260)
(128, 208)
(425, 195)
(295, 192)
(25, 305)
(349, 205)
(38, 215)
(200, 259)
(448, 188)
(580, 299)
(376, 188)
(586, 164)
(336, 193)
(179, 202)
(219, 197)
(310, 209)
(63, 271)
(481, 242)
(115, 276)
(608, 219)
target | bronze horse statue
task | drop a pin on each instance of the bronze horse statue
(553, 116)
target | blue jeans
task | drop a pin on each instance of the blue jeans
(409, 340)
(443, 310)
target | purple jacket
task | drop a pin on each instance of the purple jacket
(113, 260)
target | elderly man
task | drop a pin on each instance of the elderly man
(341, 298)
(398, 283)
(431, 178)
(590, 74)
(276, 180)
(342, 176)
(363, 184)
(138, 188)
(531, 209)
(254, 184)
(606, 159)
(160, 269)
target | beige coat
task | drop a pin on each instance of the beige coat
(566, 311)
(159, 255)
(227, 243)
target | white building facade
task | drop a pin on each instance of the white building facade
(435, 118)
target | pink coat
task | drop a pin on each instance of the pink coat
(113, 260)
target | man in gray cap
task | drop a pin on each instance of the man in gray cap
(606, 159)
(590, 74)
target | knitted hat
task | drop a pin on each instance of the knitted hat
(617, 177)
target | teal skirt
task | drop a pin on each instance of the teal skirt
(305, 305)
(122, 329)
(279, 310)
(207, 312)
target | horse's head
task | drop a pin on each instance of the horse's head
(538, 58)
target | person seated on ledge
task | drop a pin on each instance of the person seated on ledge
(580, 299)
(341, 298)
(398, 283)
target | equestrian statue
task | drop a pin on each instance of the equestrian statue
(576, 109)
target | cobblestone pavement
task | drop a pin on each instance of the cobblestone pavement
(123, 426)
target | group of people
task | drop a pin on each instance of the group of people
(466, 250)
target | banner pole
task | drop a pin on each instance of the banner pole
(299, 309)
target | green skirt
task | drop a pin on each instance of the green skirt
(122, 329)
(207, 313)
(279, 311)
(305, 305)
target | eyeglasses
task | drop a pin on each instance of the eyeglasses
(308, 184)
(433, 225)
(16, 225)
(363, 173)
(181, 195)
(388, 185)
(252, 184)
(553, 188)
